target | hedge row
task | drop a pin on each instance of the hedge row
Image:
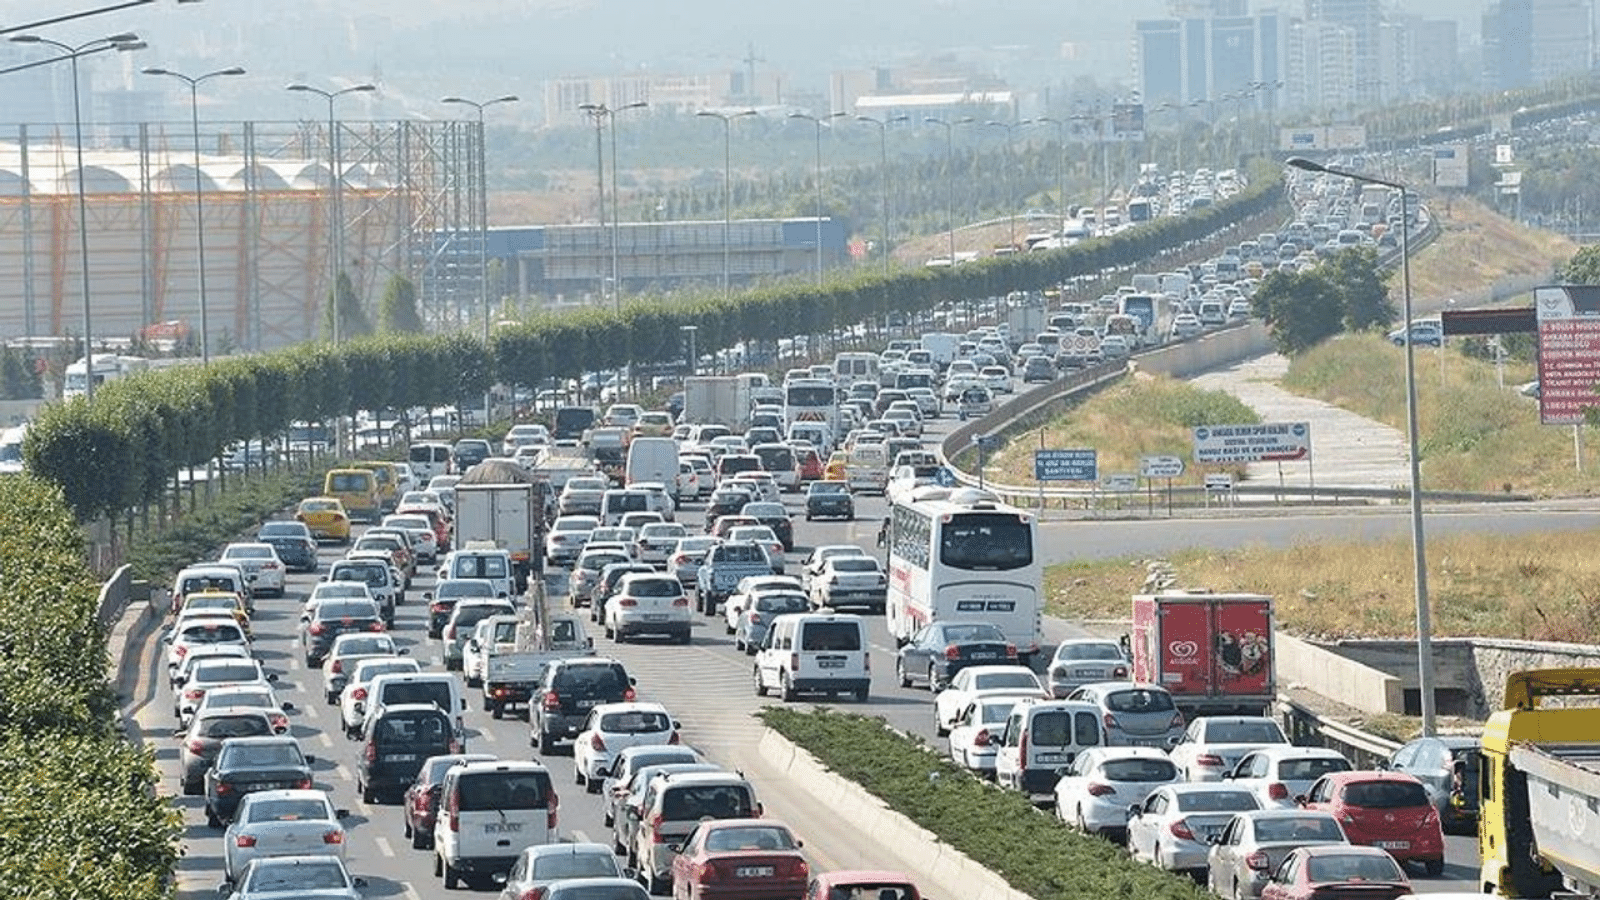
(79, 815)
(999, 829)
(122, 450)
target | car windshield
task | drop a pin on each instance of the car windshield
(554, 867)
(1385, 794)
(300, 875)
(597, 561)
(369, 670)
(291, 809)
(1350, 867)
(222, 727)
(459, 588)
(282, 529)
(653, 587)
(347, 609)
(260, 756)
(1299, 828)
(374, 576)
(249, 552)
(218, 673)
(591, 679)
(1216, 801)
(1245, 733)
(1139, 700)
(1145, 770)
(1108, 652)
(782, 603)
(1311, 769)
(854, 564)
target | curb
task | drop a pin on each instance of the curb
(953, 873)
(123, 647)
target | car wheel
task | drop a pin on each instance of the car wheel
(192, 788)
(785, 689)
(577, 774)
(861, 695)
(420, 841)
(406, 830)
(935, 684)
(900, 673)
(452, 878)
(368, 795)
(729, 629)
(211, 817)
(476, 683)
(547, 744)
(755, 677)
(1236, 893)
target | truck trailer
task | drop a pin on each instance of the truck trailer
(1212, 652)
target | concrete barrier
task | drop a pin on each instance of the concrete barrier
(941, 871)
(1327, 673)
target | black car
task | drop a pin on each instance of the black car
(725, 502)
(468, 452)
(938, 651)
(394, 742)
(334, 617)
(443, 598)
(774, 516)
(248, 764)
(293, 542)
(829, 499)
(566, 693)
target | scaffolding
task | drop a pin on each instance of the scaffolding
(408, 197)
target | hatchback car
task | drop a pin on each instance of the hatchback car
(612, 728)
(1279, 774)
(332, 618)
(319, 876)
(1097, 789)
(294, 543)
(1336, 873)
(649, 604)
(199, 744)
(1212, 745)
(1252, 845)
(1447, 766)
(1135, 715)
(1387, 810)
(739, 858)
(261, 566)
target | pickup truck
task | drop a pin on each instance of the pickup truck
(510, 675)
(725, 566)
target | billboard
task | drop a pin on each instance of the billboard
(1076, 464)
(1320, 138)
(1450, 166)
(1568, 319)
(1127, 122)
(1265, 442)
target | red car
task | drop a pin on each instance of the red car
(420, 807)
(862, 884)
(740, 859)
(810, 465)
(1387, 810)
(1336, 872)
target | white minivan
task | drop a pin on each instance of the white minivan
(814, 653)
(652, 459)
(1041, 738)
(488, 812)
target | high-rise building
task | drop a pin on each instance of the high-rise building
(1210, 59)
(1526, 42)
(1322, 69)
(1362, 19)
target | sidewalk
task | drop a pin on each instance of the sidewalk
(1347, 450)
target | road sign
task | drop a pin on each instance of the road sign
(1267, 442)
(944, 477)
(1219, 482)
(1120, 484)
(1078, 464)
(1569, 352)
(1161, 466)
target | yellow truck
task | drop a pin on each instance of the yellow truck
(1539, 787)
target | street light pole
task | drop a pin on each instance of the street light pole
(694, 359)
(1418, 546)
(727, 190)
(119, 42)
(883, 170)
(616, 212)
(950, 175)
(818, 123)
(483, 224)
(1011, 202)
(336, 227)
(199, 202)
(1061, 155)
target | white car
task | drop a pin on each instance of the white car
(751, 586)
(1277, 775)
(975, 739)
(346, 651)
(648, 604)
(972, 681)
(812, 565)
(996, 378)
(612, 728)
(657, 540)
(1176, 823)
(1212, 745)
(423, 538)
(198, 630)
(353, 699)
(284, 822)
(1094, 794)
(567, 537)
(334, 590)
(198, 655)
(261, 565)
(215, 672)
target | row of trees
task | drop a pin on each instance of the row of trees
(122, 450)
(1345, 293)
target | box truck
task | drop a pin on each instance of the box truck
(1213, 652)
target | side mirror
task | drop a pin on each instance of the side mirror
(1300, 800)
(675, 848)
(358, 882)
(286, 706)
(676, 725)
(403, 651)
(1135, 811)
(427, 595)
(166, 638)
(179, 732)
(311, 760)
(1214, 839)
(272, 676)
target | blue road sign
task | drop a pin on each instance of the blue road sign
(944, 477)
(1077, 464)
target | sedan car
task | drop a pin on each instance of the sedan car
(941, 649)
(613, 727)
(248, 764)
(751, 621)
(739, 858)
(325, 517)
(596, 889)
(683, 563)
(543, 864)
(1252, 845)
(1080, 661)
(1140, 715)
(311, 877)
(1100, 785)
(829, 499)
(1447, 766)
(975, 739)
(295, 544)
(1213, 745)
(282, 823)
(1174, 827)
(567, 537)
(199, 744)
(261, 566)
(973, 680)
(1277, 775)
(1336, 873)
(774, 516)
(347, 650)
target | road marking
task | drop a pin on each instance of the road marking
(341, 771)
(580, 837)
(485, 734)
(383, 846)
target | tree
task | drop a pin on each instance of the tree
(1364, 292)
(397, 310)
(1301, 309)
(1582, 268)
(353, 322)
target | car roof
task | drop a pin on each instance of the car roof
(1128, 753)
(1289, 750)
(1369, 775)
(723, 777)
(539, 851)
(631, 706)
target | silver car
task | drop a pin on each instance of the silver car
(541, 864)
(1135, 715)
(1277, 775)
(1173, 828)
(1084, 661)
(1252, 844)
(320, 876)
(282, 823)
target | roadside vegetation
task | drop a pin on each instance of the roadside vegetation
(1530, 587)
(1476, 247)
(1032, 849)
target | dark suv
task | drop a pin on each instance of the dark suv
(332, 618)
(566, 693)
(394, 742)
(248, 764)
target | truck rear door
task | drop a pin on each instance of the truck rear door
(1185, 650)
(1242, 659)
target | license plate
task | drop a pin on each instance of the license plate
(655, 617)
(754, 872)
(502, 828)
(985, 656)
(401, 757)
(1050, 757)
(588, 704)
(1086, 673)
(830, 663)
(1393, 845)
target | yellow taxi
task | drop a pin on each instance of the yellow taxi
(326, 517)
(835, 469)
(226, 602)
(388, 481)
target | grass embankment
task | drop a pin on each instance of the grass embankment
(1476, 247)
(1533, 587)
(998, 829)
(1475, 435)
(1144, 414)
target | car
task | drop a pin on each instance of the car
(486, 802)
(648, 604)
(1135, 714)
(1427, 332)
(830, 499)
(776, 517)
(937, 651)
(419, 806)
(1253, 844)
(850, 582)
(971, 681)
(976, 734)
(207, 673)
(1101, 783)
(319, 876)
(567, 690)
(567, 536)
(199, 743)
(543, 865)
(684, 562)
(739, 858)
(1447, 766)
(395, 739)
(606, 585)
(1080, 661)
(751, 618)
(419, 527)
(1387, 810)
(1187, 325)
(353, 697)
(248, 764)
(1212, 745)
(1278, 774)
(253, 696)
(811, 566)
(443, 598)
(383, 581)
(293, 541)
(595, 889)
(332, 618)
(464, 619)
(675, 805)
(261, 565)
(325, 517)
(1115, 346)
(726, 501)
(863, 884)
(1333, 872)
(1174, 827)
(612, 728)
(1038, 370)
(282, 823)
(627, 763)
(587, 568)
(347, 650)
(203, 628)
(657, 540)
(754, 533)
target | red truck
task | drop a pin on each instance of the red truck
(1213, 652)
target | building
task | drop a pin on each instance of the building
(980, 105)
(1526, 42)
(1363, 20)
(1213, 59)
(1322, 70)
(944, 86)
(681, 94)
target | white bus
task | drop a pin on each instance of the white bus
(811, 400)
(849, 368)
(964, 555)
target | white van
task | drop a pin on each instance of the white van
(427, 459)
(1043, 737)
(614, 504)
(652, 459)
(817, 434)
(488, 812)
(438, 688)
(820, 653)
(867, 468)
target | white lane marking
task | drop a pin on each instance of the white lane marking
(579, 837)
(325, 739)
(293, 664)
(342, 772)
(411, 892)
(382, 843)
(485, 734)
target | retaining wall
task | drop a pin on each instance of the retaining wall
(1324, 672)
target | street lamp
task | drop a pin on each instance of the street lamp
(597, 112)
(118, 42)
(601, 114)
(818, 121)
(883, 170)
(616, 213)
(1011, 204)
(694, 360)
(727, 188)
(335, 237)
(199, 203)
(1061, 155)
(483, 222)
(950, 175)
(1418, 547)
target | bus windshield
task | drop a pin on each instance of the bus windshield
(994, 541)
(810, 396)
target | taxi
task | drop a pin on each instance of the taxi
(835, 469)
(226, 602)
(326, 517)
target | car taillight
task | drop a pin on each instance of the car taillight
(1109, 720)
(680, 559)
(628, 694)
(501, 692)
(794, 868)
(656, 837)
(794, 662)
(597, 742)
(317, 628)
(1119, 672)
(337, 667)
(707, 872)
(951, 651)
(438, 608)
(449, 632)
(370, 752)
(244, 840)
(224, 788)
(1097, 789)
(303, 784)
(194, 693)
(681, 601)
(1258, 861)
(674, 739)
(1181, 829)
(553, 803)
(981, 739)
(1208, 759)
(1278, 791)
(376, 626)
(334, 836)
(1177, 720)
(552, 700)
(358, 694)
(453, 811)
(627, 601)
(755, 618)
(1011, 650)
(182, 651)
(532, 894)
(196, 746)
